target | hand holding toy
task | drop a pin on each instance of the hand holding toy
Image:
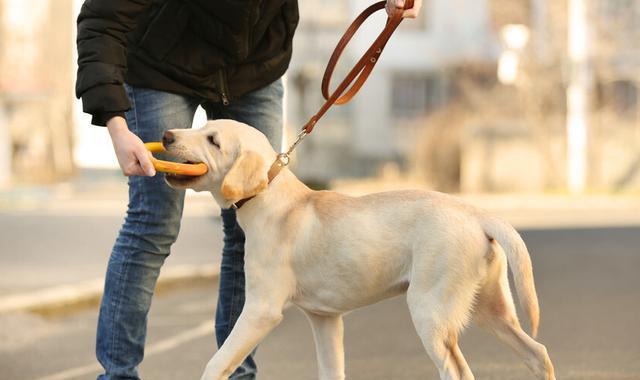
(174, 167)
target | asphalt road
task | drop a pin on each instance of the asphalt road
(39, 250)
(587, 281)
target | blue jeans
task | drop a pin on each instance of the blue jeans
(152, 223)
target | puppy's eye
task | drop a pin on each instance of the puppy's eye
(212, 141)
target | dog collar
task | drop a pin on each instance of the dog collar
(280, 162)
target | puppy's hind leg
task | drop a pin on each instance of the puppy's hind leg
(328, 334)
(438, 326)
(496, 312)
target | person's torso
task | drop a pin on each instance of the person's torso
(192, 41)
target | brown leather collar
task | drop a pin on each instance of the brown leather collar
(358, 75)
(241, 202)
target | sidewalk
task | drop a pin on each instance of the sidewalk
(91, 192)
(57, 239)
(531, 211)
(56, 242)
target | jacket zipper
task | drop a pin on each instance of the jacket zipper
(224, 91)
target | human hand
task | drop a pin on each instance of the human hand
(393, 5)
(133, 157)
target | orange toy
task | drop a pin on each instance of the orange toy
(174, 167)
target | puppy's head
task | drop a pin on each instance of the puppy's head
(237, 155)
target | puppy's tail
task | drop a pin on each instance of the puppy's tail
(520, 265)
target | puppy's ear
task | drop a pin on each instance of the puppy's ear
(247, 177)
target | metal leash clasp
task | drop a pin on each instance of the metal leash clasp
(283, 159)
(303, 133)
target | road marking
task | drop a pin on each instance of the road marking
(202, 330)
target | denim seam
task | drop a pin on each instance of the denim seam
(125, 271)
(115, 336)
(143, 196)
(144, 202)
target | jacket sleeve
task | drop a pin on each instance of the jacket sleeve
(102, 55)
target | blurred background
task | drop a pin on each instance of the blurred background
(464, 99)
(528, 108)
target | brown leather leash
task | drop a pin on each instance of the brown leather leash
(355, 78)
(362, 69)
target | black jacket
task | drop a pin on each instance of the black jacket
(215, 50)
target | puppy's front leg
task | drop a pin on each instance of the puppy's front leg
(328, 332)
(254, 323)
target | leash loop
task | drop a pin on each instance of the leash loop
(303, 133)
(363, 68)
(355, 78)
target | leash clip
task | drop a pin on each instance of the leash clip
(303, 133)
(282, 159)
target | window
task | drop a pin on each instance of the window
(418, 94)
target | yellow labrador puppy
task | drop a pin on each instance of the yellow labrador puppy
(330, 253)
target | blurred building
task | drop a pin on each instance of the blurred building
(472, 96)
(469, 97)
(36, 83)
(527, 150)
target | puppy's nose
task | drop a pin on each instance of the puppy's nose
(168, 138)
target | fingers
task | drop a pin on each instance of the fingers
(410, 13)
(393, 6)
(133, 169)
(139, 164)
(144, 162)
(413, 11)
(133, 157)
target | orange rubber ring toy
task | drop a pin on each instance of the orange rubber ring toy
(174, 167)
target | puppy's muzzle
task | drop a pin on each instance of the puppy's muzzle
(168, 138)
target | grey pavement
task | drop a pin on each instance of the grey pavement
(45, 250)
(63, 234)
(56, 239)
(587, 282)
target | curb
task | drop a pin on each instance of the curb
(65, 299)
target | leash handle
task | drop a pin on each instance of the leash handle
(358, 74)
(362, 69)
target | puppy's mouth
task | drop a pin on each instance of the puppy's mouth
(180, 180)
(183, 180)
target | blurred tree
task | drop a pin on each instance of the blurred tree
(505, 12)
(36, 86)
(531, 108)
(616, 65)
